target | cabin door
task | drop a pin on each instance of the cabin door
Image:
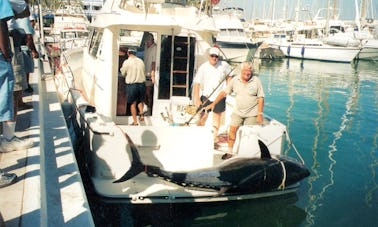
(176, 66)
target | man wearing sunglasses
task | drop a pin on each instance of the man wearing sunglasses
(211, 79)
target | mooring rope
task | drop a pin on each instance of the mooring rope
(282, 185)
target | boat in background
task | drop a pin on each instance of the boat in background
(166, 158)
(69, 28)
(369, 50)
(312, 49)
(232, 38)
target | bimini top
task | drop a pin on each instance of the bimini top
(154, 13)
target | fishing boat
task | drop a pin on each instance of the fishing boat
(167, 158)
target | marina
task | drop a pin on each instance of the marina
(92, 166)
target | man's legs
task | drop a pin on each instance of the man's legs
(232, 136)
(203, 117)
(149, 99)
(216, 124)
(231, 140)
(140, 108)
(133, 111)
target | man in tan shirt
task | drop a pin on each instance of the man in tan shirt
(134, 72)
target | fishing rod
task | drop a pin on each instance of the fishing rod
(205, 101)
(207, 98)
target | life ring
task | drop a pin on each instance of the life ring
(214, 2)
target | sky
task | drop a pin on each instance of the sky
(264, 8)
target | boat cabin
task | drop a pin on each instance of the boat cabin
(181, 44)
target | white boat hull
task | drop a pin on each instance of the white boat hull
(321, 53)
(369, 51)
(237, 54)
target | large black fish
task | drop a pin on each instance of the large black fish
(236, 175)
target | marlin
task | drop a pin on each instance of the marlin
(235, 175)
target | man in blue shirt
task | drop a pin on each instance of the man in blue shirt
(7, 11)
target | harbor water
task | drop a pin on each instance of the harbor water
(331, 112)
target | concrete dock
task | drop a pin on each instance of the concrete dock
(49, 190)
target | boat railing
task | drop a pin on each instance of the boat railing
(294, 147)
(165, 6)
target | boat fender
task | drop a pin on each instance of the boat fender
(288, 50)
(302, 51)
(215, 2)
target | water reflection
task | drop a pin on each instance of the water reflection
(327, 105)
(369, 198)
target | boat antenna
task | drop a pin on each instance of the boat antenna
(145, 7)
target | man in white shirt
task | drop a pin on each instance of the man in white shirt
(208, 82)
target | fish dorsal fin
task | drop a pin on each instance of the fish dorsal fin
(265, 154)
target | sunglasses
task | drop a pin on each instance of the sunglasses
(214, 56)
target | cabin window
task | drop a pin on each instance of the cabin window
(95, 42)
(176, 66)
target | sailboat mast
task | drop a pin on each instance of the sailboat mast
(273, 11)
(363, 10)
(327, 18)
(297, 12)
(357, 18)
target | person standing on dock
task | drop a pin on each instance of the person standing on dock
(133, 70)
(208, 82)
(29, 50)
(23, 63)
(9, 142)
(249, 102)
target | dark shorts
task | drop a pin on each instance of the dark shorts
(220, 107)
(19, 71)
(135, 92)
(28, 61)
